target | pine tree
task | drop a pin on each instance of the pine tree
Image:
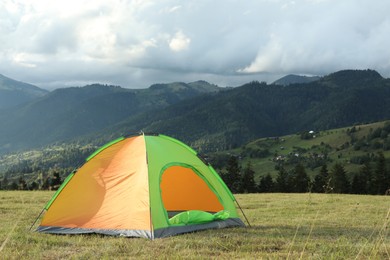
(13, 186)
(248, 184)
(22, 184)
(46, 184)
(380, 178)
(300, 179)
(232, 177)
(359, 184)
(4, 183)
(34, 186)
(321, 180)
(338, 179)
(266, 184)
(282, 181)
(366, 173)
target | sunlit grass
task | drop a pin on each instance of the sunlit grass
(293, 226)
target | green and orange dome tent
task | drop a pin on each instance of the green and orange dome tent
(145, 185)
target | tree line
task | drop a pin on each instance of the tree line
(372, 178)
(50, 182)
(45, 172)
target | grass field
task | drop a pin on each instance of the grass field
(284, 226)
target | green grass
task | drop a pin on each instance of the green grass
(334, 139)
(284, 226)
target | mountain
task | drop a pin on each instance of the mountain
(197, 113)
(13, 93)
(295, 79)
(67, 113)
(235, 116)
(353, 79)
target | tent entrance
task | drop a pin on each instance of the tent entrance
(182, 189)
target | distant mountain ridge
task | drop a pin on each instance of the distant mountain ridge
(295, 79)
(13, 93)
(70, 112)
(235, 116)
(203, 115)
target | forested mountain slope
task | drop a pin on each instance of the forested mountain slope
(233, 117)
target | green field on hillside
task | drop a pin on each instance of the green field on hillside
(307, 226)
(338, 145)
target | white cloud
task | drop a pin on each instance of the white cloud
(324, 36)
(172, 9)
(179, 42)
(140, 42)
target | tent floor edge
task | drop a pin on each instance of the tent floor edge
(110, 232)
(175, 230)
(158, 233)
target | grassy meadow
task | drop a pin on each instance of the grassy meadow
(284, 226)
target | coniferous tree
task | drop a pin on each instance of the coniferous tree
(282, 181)
(366, 173)
(300, 179)
(4, 183)
(248, 184)
(232, 177)
(321, 180)
(33, 186)
(13, 186)
(46, 184)
(338, 179)
(266, 184)
(22, 184)
(380, 178)
(359, 183)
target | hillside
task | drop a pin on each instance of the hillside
(235, 116)
(71, 112)
(351, 147)
(197, 113)
(13, 93)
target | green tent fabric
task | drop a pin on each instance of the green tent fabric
(197, 217)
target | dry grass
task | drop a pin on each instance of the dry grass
(284, 226)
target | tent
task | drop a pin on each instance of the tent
(145, 185)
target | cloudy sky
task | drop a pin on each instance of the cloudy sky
(134, 43)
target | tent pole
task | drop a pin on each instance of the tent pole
(67, 179)
(36, 219)
(243, 212)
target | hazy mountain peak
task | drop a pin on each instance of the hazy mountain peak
(11, 84)
(295, 79)
(199, 86)
(13, 92)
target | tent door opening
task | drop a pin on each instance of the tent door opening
(182, 189)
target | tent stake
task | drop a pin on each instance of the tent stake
(243, 213)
